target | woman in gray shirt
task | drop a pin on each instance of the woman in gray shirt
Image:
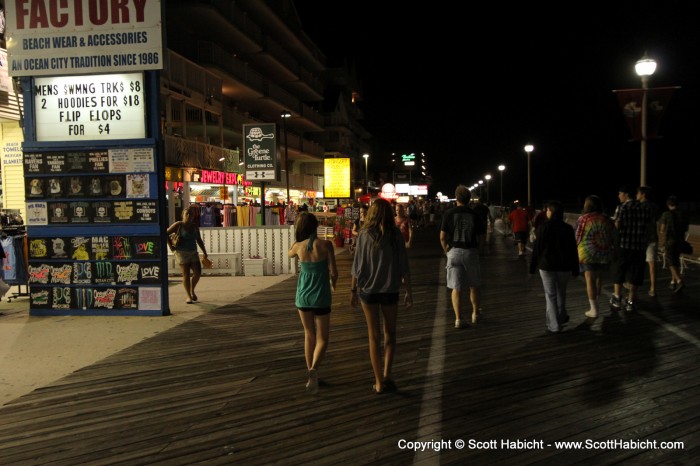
(379, 268)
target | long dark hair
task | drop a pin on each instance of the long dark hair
(305, 226)
(379, 220)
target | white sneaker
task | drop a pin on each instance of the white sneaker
(458, 323)
(4, 288)
(591, 313)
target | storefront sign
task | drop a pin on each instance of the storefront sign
(49, 37)
(260, 150)
(108, 106)
(337, 178)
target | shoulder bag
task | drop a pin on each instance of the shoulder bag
(174, 239)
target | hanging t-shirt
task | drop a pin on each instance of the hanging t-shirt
(9, 266)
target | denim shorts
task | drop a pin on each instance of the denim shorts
(385, 299)
(463, 268)
(593, 267)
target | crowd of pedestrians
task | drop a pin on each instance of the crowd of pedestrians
(626, 244)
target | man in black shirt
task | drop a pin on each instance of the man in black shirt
(459, 237)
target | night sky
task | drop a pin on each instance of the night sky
(471, 88)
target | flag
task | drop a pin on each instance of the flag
(630, 101)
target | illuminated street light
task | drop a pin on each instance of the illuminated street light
(644, 67)
(284, 115)
(501, 168)
(366, 157)
(529, 148)
(488, 180)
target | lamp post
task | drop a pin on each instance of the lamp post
(284, 115)
(366, 157)
(481, 183)
(501, 168)
(644, 67)
(488, 192)
(225, 193)
(529, 148)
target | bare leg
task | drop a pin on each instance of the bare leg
(475, 297)
(196, 274)
(372, 317)
(322, 334)
(185, 268)
(389, 313)
(307, 320)
(456, 302)
(652, 277)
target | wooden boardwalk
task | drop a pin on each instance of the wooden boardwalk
(228, 387)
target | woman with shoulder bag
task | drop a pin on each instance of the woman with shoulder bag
(186, 251)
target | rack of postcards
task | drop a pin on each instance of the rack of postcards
(94, 244)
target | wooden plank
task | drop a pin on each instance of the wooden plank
(228, 386)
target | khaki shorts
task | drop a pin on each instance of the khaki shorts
(187, 257)
(651, 252)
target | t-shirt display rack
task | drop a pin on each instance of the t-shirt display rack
(13, 239)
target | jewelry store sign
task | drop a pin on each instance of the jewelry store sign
(52, 37)
(108, 106)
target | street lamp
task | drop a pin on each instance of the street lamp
(529, 148)
(644, 67)
(284, 115)
(225, 193)
(481, 183)
(501, 168)
(366, 157)
(488, 180)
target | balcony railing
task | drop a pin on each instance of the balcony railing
(187, 153)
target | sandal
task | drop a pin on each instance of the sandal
(376, 392)
(188, 301)
(194, 298)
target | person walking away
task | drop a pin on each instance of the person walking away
(485, 213)
(379, 268)
(357, 226)
(555, 255)
(672, 232)
(317, 279)
(186, 251)
(596, 239)
(459, 238)
(643, 196)
(631, 223)
(404, 223)
(519, 219)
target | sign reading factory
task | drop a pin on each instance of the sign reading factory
(260, 149)
(52, 37)
(109, 106)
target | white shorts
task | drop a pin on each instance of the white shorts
(463, 269)
(651, 252)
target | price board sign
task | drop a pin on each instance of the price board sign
(109, 106)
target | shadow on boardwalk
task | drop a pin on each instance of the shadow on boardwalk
(228, 387)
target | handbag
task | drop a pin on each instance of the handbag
(207, 263)
(685, 247)
(174, 239)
